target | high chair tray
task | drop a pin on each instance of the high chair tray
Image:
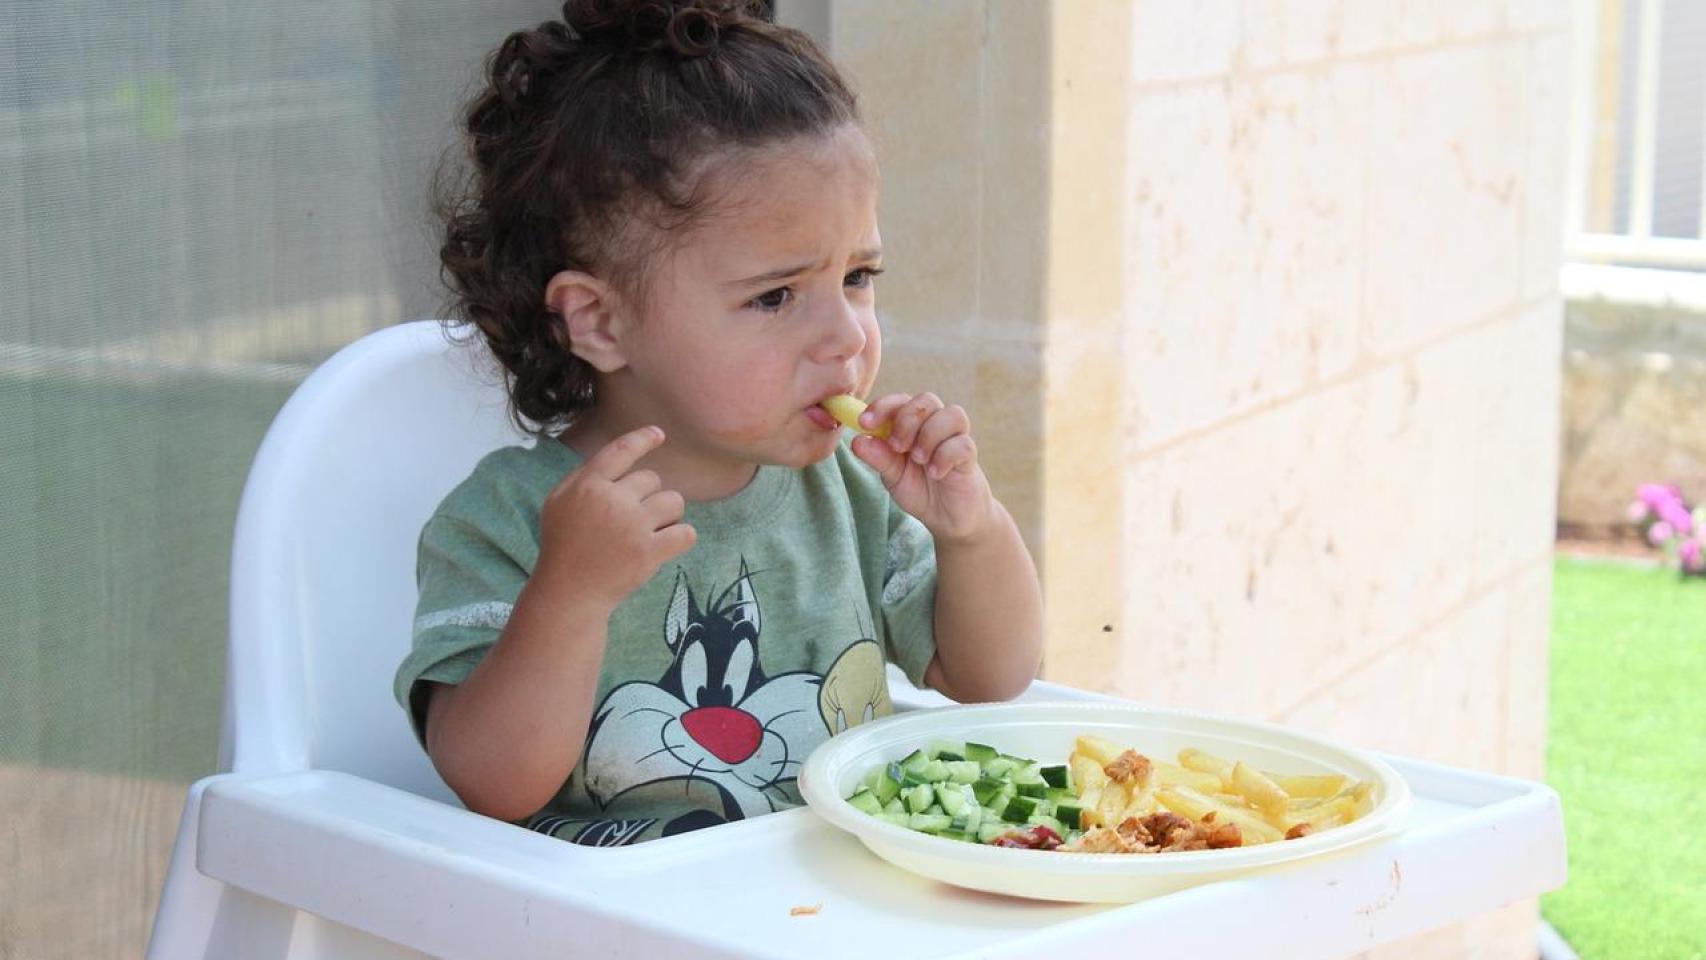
(435, 879)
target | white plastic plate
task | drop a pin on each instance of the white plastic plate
(1045, 732)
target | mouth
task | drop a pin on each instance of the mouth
(821, 417)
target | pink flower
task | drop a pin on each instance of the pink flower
(1659, 533)
(1656, 495)
(1639, 512)
(1675, 514)
(1690, 554)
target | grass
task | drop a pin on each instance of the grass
(1627, 752)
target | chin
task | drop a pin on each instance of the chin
(816, 450)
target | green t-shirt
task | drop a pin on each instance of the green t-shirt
(725, 669)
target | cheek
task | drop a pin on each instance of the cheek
(872, 355)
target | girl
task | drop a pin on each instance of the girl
(643, 623)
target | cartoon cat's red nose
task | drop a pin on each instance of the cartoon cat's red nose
(731, 735)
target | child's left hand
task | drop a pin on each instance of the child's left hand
(929, 463)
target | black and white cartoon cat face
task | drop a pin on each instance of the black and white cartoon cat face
(714, 717)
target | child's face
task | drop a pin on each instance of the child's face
(767, 308)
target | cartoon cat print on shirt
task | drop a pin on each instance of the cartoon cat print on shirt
(714, 721)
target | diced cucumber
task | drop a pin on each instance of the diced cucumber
(1070, 814)
(935, 771)
(949, 756)
(986, 790)
(963, 771)
(915, 761)
(898, 819)
(930, 822)
(1060, 795)
(969, 819)
(867, 801)
(981, 752)
(912, 778)
(945, 746)
(896, 805)
(1028, 771)
(990, 829)
(953, 799)
(1055, 776)
(1036, 790)
(886, 788)
(998, 767)
(935, 810)
(952, 834)
(1018, 809)
(919, 798)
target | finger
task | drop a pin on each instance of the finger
(944, 423)
(954, 453)
(910, 417)
(882, 408)
(664, 508)
(674, 540)
(641, 483)
(890, 466)
(619, 455)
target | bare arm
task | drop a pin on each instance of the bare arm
(989, 620)
(507, 737)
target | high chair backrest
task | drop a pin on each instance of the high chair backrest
(323, 561)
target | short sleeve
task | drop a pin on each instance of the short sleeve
(469, 580)
(909, 594)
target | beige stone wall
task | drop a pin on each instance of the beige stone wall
(1254, 305)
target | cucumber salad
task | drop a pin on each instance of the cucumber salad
(974, 793)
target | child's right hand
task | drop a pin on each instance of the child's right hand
(607, 528)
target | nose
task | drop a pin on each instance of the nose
(843, 336)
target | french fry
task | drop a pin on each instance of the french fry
(1114, 783)
(1111, 809)
(1098, 749)
(1193, 759)
(846, 409)
(1324, 814)
(1171, 775)
(1262, 793)
(1086, 772)
(1090, 802)
(1362, 797)
(1309, 786)
(1196, 805)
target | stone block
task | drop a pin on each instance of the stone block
(1246, 244)
(1452, 127)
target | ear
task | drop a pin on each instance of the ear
(586, 308)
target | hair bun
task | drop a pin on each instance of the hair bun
(686, 28)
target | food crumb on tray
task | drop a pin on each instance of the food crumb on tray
(805, 911)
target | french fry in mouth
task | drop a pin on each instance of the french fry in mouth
(846, 408)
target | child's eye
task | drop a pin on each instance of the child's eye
(863, 276)
(773, 300)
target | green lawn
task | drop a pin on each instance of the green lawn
(1627, 752)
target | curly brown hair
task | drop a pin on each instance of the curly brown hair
(587, 126)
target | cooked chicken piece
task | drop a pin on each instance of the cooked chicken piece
(1299, 830)
(1128, 766)
(1225, 835)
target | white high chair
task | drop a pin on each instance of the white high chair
(328, 833)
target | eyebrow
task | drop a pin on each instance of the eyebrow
(771, 276)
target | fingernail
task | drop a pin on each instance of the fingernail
(867, 419)
(918, 455)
